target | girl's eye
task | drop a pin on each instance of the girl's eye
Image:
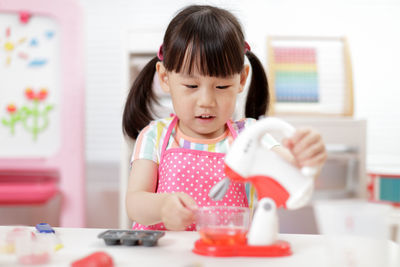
(223, 87)
(191, 86)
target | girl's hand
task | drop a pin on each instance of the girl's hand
(307, 147)
(177, 211)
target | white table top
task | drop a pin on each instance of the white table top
(174, 249)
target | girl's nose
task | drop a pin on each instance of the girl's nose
(206, 98)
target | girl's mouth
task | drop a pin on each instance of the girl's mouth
(205, 117)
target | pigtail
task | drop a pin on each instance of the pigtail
(138, 106)
(257, 101)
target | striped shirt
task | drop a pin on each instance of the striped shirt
(149, 142)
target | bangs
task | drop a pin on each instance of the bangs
(207, 44)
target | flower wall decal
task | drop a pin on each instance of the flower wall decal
(34, 116)
(14, 117)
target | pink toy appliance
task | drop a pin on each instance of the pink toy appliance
(278, 183)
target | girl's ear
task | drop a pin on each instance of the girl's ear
(243, 77)
(162, 76)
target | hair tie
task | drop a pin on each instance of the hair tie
(160, 53)
(246, 47)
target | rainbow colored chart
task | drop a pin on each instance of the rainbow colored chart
(296, 75)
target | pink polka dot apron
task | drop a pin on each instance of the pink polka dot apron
(194, 172)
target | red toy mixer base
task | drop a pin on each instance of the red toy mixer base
(278, 249)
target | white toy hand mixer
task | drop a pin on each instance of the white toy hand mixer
(277, 182)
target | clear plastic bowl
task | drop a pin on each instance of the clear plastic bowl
(223, 225)
(34, 249)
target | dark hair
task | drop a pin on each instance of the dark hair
(215, 40)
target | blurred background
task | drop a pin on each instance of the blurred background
(116, 38)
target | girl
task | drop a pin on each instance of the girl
(177, 160)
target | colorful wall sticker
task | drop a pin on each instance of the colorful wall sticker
(33, 116)
(10, 44)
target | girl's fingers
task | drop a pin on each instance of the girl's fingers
(287, 143)
(187, 201)
(307, 147)
(179, 212)
(299, 134)
(310, 152)
(315, 161)
(181, 208)
(308, 137)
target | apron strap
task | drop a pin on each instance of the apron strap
(168, 134)
(231, 129)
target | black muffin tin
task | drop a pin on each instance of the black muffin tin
(131, 237)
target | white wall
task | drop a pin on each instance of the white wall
(370, 26)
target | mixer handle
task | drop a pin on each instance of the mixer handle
(274, 124)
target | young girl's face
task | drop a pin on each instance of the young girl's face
(203, 104)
